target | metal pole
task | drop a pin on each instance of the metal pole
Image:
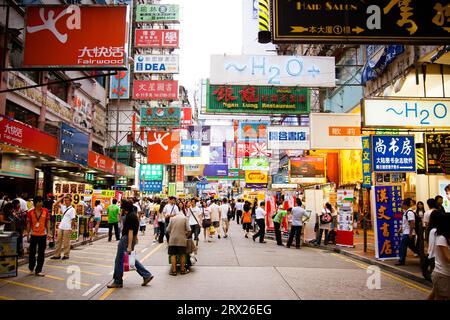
(117, 135)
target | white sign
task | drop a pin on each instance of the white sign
(258, 70)
(288, 138)
(203, 159)
(336, 131)
(406, 113)
(156, 64)
(284, 186)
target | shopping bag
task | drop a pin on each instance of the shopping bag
(212, 230)
(132, 260)
(126, 262)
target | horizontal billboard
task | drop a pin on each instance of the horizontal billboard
(160, 117)
(257, 99)
(406, 113)
(156, 38)
(259, 70)
(252, 131)
(288, 138)
(74, 145)
(155, 90)
(157, 13)
(74, 36)
(156, 63)
(307, 167)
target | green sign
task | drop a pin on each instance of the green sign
(151, 172)
(122, 181)
(257, 99)
(89, 177)
(160, 117)
(255, 164)
(172, 189)
(157, 13)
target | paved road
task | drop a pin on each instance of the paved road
(233, 268)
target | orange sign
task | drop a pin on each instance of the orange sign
(75, 36)
(163, 147)
(344, 131)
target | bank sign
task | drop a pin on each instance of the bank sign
(406, 113)
(156, 64)
(355, 21)
(393, 154)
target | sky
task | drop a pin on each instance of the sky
(206, 27)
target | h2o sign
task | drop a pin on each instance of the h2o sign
(257, 70)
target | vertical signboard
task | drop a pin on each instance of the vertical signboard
(387, 207)
(119, 85)
(344, 233)
(366, 163)
(393, 154)
(438, 153)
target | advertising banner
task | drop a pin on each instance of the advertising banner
(393, 154)
(16, 167)
(252, 131)
(215, 170)
(156, 38)
(158, 64)
(100, 162)
(163, 147)
(255, 164)
(151, 186)
(74, 145)
(258, 99)
(307, 169)
(344, 233)
(259, 70)
(194, 170)
(190, 148)
(288, 138)
(172, 173)
(24, 136)
(256, 177)
(203, 159)
(202, 133)
(155, 90)
(350, 165)
(121, 90)
(387, 206)
(157, 13)
(253, 149)
(406, 113)
(366, 162)
(151, 172)
(444, 191)
(217, 155)
(75, 36)
(186, 117)
(180, 173)
(160, 117)
(356, 21)
(335, 131)
(437, 153)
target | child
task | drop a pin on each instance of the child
(156, 230)
(142, 223)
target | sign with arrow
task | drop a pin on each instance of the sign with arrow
(356, 21)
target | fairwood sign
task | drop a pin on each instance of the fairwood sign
(355, 21)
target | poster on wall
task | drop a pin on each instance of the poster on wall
(252, 131)
(444, 191)
(344, 233)
(387, 207)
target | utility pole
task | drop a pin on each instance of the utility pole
(117, 135)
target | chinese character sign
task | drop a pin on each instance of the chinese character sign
(156, 38)
(190, 148)
(119, 85)
(160, 117)
(155, 90)
(438, 153)
(393, 154)
(156, 64)
(151, 172)
(388, 219)
(157, 13)
(366, 163)
(288, 138)
(151, 186)
(202, 133)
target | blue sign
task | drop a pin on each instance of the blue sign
(119, 90)
(190, 148)
(388, 219)
(201, 185)
(366, 163)
(393, 154)
(151, 186)
(215, 170)
(74, 145)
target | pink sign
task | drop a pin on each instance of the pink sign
(252, 149)
(147, 38)
(155, 90)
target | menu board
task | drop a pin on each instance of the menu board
(437, 153)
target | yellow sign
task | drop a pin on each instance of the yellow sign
(108, 193)
(256, 176)
(76, 198)
(350, 163)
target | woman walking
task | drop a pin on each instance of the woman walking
(97, 216)
(247, 218)
(206, 221)
(194, 213)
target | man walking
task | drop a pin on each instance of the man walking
(215, 216)
(126, 244)
(260, 215)
(407, 229)
(277, 220)
(113, 220)
(225, 214)
(239, 210)
(65, 228)
(296, 229)
(170, 210)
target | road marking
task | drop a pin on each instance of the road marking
(91, 264)
(47, 276)
(405, 282)
(86, 257)
(144, 250)
(110, 291)
(6, 298)
(91, 289)
(21, 284)
(65, 268)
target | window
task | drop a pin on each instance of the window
(97, 148)
(15, 60)
(21, 114)
(59, 89)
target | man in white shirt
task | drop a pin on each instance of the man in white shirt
(225, 209)
(194, 212)
(260, 216)
(65, 227)
(215, 216)
(239, 210)
(296, 228)
(407, 230)
(170, 210)
(23, 203)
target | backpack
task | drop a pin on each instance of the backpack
(326, 218)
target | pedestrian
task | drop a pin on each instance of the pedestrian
(428, 263)
(277, 219)
(440, 204)
(233, 209)
(239, 210)
(170, 210)
(215, 216)
(20, 218)
(113, 220)
(406, 230)
(193, 212)
(254, 207)
(98, 210)
(161, 222)
(325, 221)
(225, 216)
(23, 203)
(156, 229)
(260, 216)
(419, 230)
(431, 203)
(441, 272)
(142, 223)
(178, 229)
(247, 218)
(126, 245)
(7, 218)
(206, 221)
(38, 227)
(65, 227)
(298, 212)
(151, 209)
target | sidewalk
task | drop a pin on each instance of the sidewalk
(411, 270)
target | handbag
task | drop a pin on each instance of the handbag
(126, 262)
(212, 230)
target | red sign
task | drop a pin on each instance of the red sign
(160, 38)
(23, 136)
(180, 173)
(100, 162)
(75, 36)
(155, 90)
(252, 149)
(163, 147)
(344, 131)
(186, 116)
